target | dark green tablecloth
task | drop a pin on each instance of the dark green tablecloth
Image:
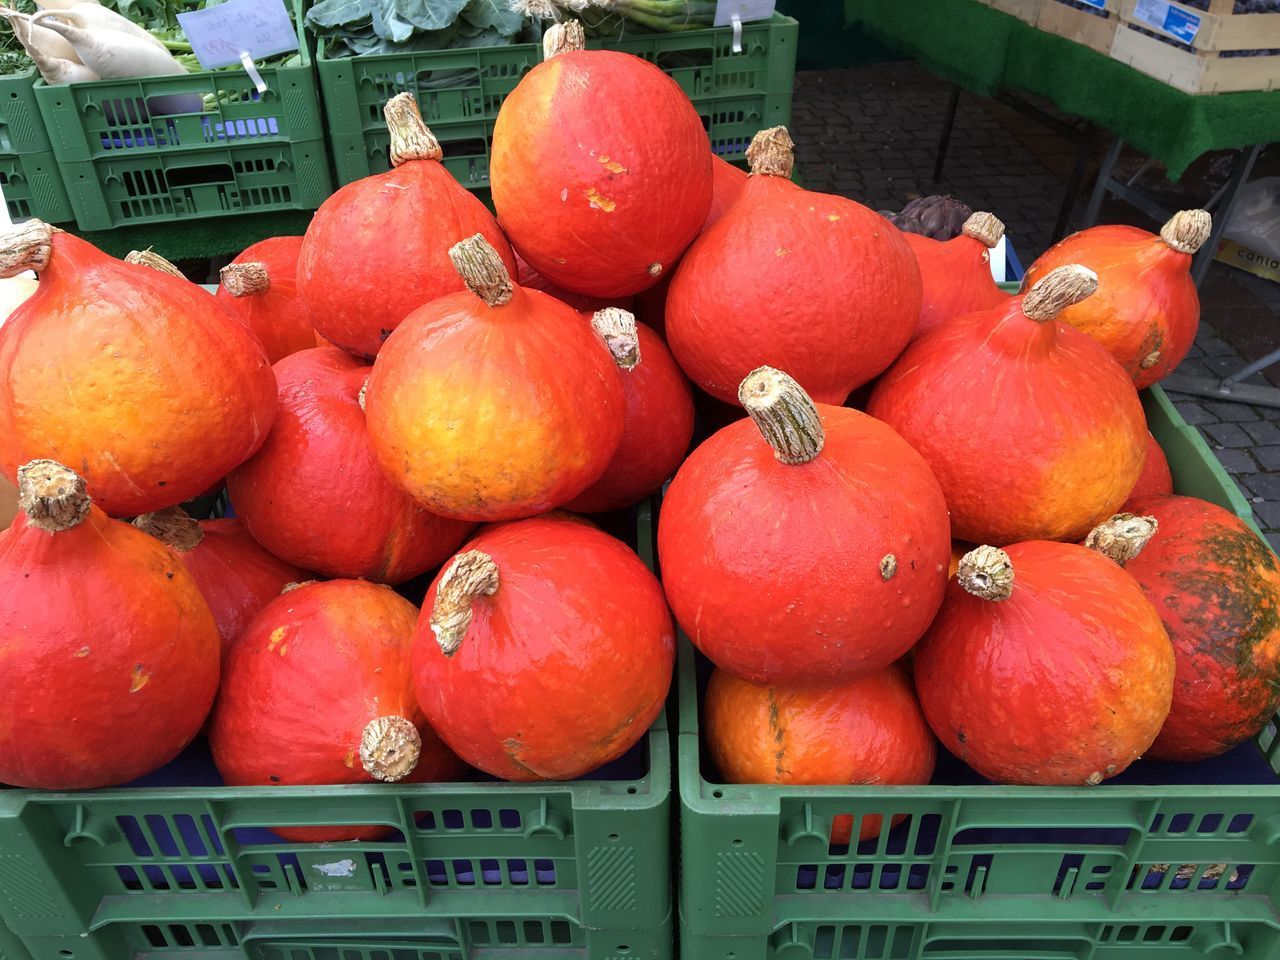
(985, 50)
(198, 239)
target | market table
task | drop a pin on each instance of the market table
(993, 54)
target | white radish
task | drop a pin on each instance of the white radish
(113, 54)
(54, 70)
(52, 44)
(92, 16)
(60, 4)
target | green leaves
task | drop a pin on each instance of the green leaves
(355, 27)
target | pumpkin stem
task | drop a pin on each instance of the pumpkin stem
(986, 227)
(472, 574)
(565, 37)
(410, 138)
(149, 258)
(293, 585)
(364, 392)
(172, 527)
(482, 270)
(617, 328)
(389, 748)
(245, 279)
(1187, 230)
(772, 153)
(1057, 290)
(26, 246)
(784, 413)
(52, 496)
(986, 573)
(1122, 537)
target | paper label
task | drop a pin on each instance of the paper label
(1182, 25)
(744, 10)
(219, 35)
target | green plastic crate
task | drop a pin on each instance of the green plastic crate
(218, 181)
(21, 128)
(460, 91)
(32, 185)
(505, 930)
(967, 931)
(11, 948)
(204, 109)
(577, 870)
(756, 861)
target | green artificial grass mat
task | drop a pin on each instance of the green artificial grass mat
(985, 50)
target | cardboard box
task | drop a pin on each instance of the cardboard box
(1259, 264)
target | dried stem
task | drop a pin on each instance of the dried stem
(986, 573)
(772, 153)
(173, 527)
(245, 279)
(1057, 290)
(1122, 537)
(482, 269)
(26, 246)
(617, 328)
(410, 138)
(986, 227)
(52, 496)
(472, 575)
(1187, 230)
(784, 413)
(389, 748)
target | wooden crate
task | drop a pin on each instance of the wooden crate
(1204, 69)
(1083, 27)
(1027, 11)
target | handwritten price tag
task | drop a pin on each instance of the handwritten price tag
(744, 10)
(223, 35)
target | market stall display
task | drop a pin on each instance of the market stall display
(944, 671)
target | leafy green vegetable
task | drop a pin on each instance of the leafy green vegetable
(356, 27)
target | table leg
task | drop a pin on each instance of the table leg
(1084, 149)
(1241, 167)
(1102, 185)
(952, 106)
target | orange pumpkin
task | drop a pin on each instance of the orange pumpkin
(260, 288)
(315, 495)
(810, 283)
(319, 690)
(1156, 477)
(1146, 310)
(805, 547)
(600, 170)
(109, 653)
(378, 248)
(494, 403)
(956, 273)
(659, 418)
(868, 732)
(1045, 665)
(1216, 586)
(135, 376)
(1032, 429)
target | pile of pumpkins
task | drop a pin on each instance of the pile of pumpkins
(990, 555)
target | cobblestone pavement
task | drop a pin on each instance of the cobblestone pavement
(871, 133)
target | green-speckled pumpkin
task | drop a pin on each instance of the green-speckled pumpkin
(1216, 585)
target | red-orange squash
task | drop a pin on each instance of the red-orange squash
(727, 183)
(956, 273)
(810, 283)
(531, 279)
(236, 576)
(315, 495)
(867, 732)
(1146, 310)
(378, 248)
(813, 555)
(544, 650)
(109, 652)
(319, 690)
(1156, 478)
(659, 417)
(1034, 432)
(600, 170)
(135, 376)
(260, 288)
(1046, 665)
(1216, 586)
(496, 402)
